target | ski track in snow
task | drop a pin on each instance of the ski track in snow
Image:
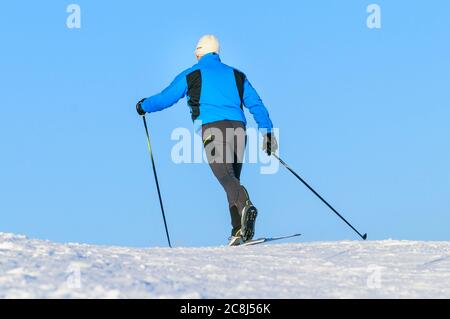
(347, 269)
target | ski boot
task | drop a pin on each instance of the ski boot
(248, 219)
(235, 238)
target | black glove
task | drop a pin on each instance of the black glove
(270, 144)
(139, 108)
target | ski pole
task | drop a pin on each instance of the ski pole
(364, 237)
(156, 179)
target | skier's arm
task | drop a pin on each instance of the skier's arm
(256, 107)
(168, 97)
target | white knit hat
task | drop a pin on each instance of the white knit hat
(207, 44)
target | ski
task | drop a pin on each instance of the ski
(267, 239)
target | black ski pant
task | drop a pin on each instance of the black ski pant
(224, 143)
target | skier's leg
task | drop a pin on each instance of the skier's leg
(239, 143)
(221, 153)
(240, 140)
(225, 175)
(237, 168)
(247, 211)
(235, 213)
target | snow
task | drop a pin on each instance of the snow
(32, 268)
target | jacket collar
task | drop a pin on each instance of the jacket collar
(210, 57)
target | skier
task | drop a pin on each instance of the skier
(216, 94)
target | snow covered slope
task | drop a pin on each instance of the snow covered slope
(374, 269)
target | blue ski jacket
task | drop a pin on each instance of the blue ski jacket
(215, 92)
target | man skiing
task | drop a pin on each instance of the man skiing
(216, 94)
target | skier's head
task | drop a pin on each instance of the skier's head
(207, 44)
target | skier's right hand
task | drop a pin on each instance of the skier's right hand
(270, 144)
(139, 108)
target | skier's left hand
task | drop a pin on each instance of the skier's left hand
(270, 144)
(139, 108)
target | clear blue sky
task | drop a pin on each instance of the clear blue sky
(363, 115)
